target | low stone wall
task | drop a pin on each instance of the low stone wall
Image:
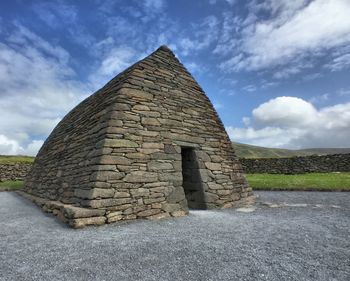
(14, 171)
(298, 165)
(293, 165)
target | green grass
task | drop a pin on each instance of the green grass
(13, 159)
(11, 185)
(311, 181)
(251, 151)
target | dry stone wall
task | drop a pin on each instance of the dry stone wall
(10, 172)
(118, 155)
(298, 165)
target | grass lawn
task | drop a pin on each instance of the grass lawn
(10, 185)
(9, 159)
(311, 181)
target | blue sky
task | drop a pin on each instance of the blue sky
(277, 71)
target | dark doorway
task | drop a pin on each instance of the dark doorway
(192, 182)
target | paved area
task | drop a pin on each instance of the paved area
(288, 236)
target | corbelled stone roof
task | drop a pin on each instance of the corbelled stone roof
(147, 144)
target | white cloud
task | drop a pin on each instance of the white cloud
(291, 122)
(154, 5)
(231, 2)
(8, 146)
(203, 35)
(339, 63)
(320, 98)
(114, 61)
(249, 88)
(312, 76)
(37, 88)
(217, 105)
(343, 92)
(56, 13)
(13, 147)
(296, 32)
(117, 60)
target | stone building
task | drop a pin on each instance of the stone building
(149, 144)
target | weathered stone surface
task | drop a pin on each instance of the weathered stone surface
(157, 165)
(175, 178)
(76, 212)
(81, 222)
(133, 148)
(141, 176)
(94, 193)
(156, 145)
(101, 203)
(136, 94)
(170, 208)
(298, 165)
(179, 213)
(138, 155)
(117, 160)
(177, 195)
(213, 166)
(106, 176)
(140, 107)
(140, 192)
(148, 213)
(118, 143)
(150, 121)
(10, 172)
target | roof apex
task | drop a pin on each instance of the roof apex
(165, 48)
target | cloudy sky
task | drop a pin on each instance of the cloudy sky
(277, 71)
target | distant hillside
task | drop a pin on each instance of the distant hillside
(242, 151)
(252, 151)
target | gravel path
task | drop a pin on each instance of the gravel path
(289, 236)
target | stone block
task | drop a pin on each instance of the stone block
(179, 213)
(138, 155)
(215, 186)
(141, 176)
(170, 208)
(106, 176)
(119, 143)
(136, 94)
(81, 222)
(94, 193)
(213, 166)
(157, 145)
(140, 192)
(148, 201)
(77, 212)
(116, 160)
(149, 121)
(176, 195)
(140, 107)
(175, 178)
(149, 212)
(158, 216)
(158, 165)
(101, 203)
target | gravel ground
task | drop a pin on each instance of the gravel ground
(288, 236)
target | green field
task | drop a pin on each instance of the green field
(13, 159)
(10, 185)
(251, 151)
(311, 181)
